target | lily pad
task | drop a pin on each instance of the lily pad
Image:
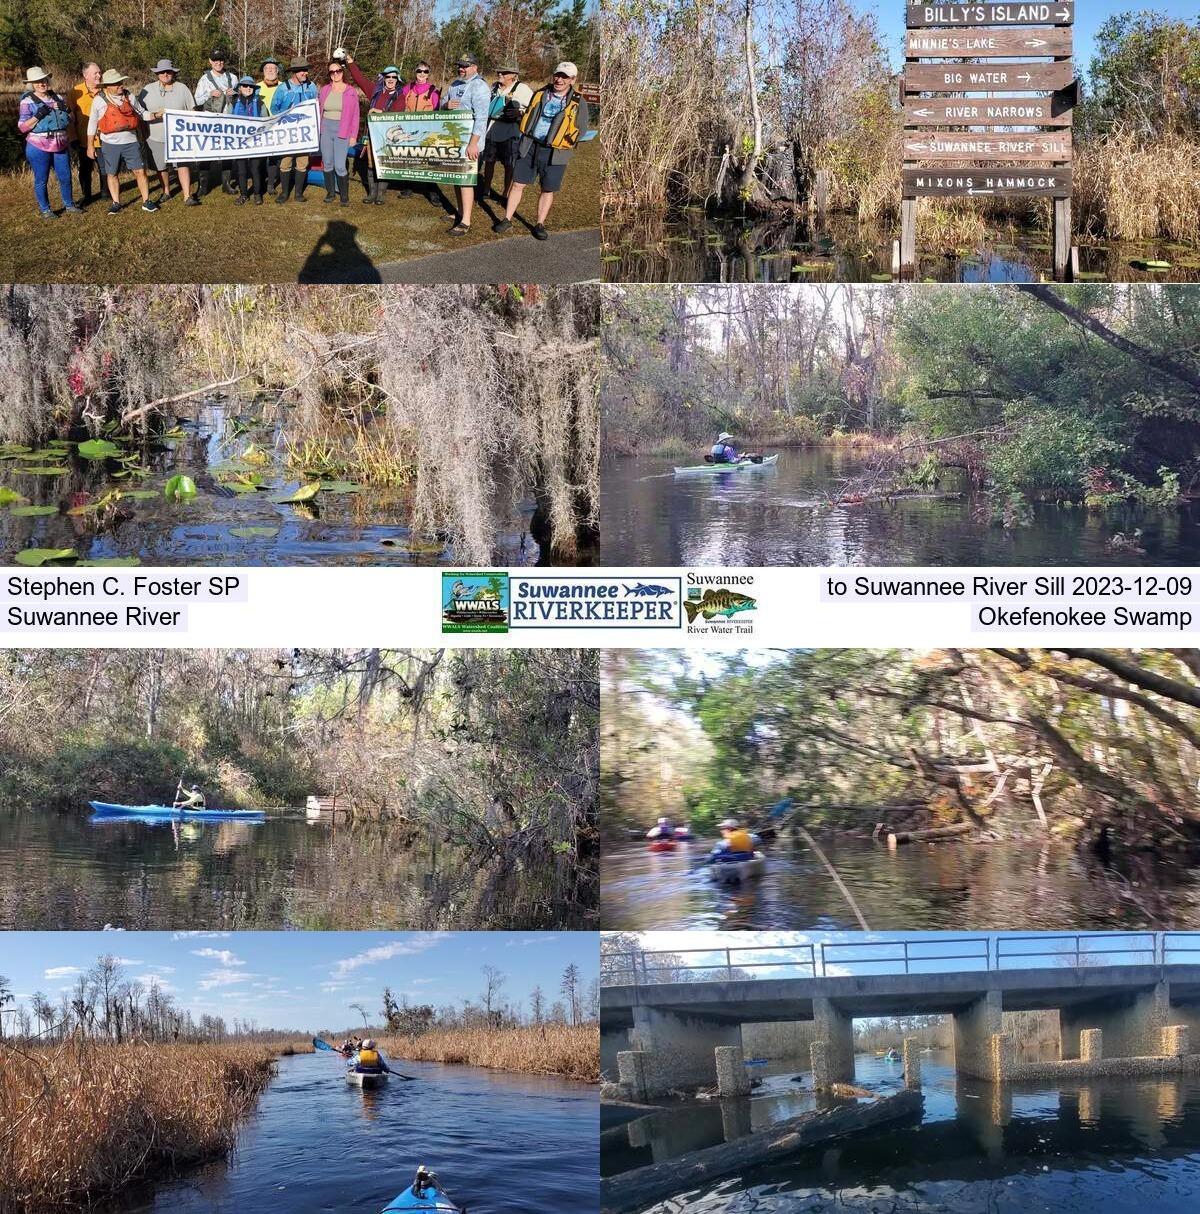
(42, 455)
(255, 456)
(881, 278)
(139, 495)
(304, 494)
(9, 495)
(41, 471)
(246, 533)
(32, 511)
(110, 562)
(240, 486)
(45, 556)
(1145, 264)
(99, 448)
(180, 489)
(806, 267)
(414, 546)
(338, 487)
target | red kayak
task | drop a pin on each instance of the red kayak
(662, 844)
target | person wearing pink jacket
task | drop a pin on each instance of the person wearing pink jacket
(338, 103)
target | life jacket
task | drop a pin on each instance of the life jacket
(57, 120)
(740, 841)
(418, 103)
(369, 1060)
(118, 115)
(248, 107)
(216, 102)
(564, 126)
(292, 93)
(396, 99)
(721, 452)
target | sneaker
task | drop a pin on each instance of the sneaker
(240, 200)
(539, 232)
(404, 193)
(191, 201)
(49, 215)
(149, 206)
(115, 209)
(501, 226)
(72, 210)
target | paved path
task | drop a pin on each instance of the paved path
(565, 257)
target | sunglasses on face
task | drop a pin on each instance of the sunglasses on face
(335, 71)
(422, 71)
(561, 76)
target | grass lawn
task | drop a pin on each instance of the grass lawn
(220, 242)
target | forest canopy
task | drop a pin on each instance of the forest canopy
(1075, 393)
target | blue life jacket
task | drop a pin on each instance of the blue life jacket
(57, 120)
(722, 453)
(289, 94)
(248, 107)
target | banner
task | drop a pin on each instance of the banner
(194, 135)
(423, 146)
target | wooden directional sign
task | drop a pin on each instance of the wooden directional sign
(922, 16)
(948, 183)
(961, 145)
(987, 77)
(988, 44)
(979, 111)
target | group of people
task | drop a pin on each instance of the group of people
(366, 1054)
(737, 843)
(529, 133)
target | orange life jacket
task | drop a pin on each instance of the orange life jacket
(118, 116)
(740, 841)
(369, 1060)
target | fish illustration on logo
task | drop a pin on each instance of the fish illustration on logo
(647, 590)
(718, 602)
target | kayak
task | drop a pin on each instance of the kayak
(367, 1079)
(662, 845)
(730, 872)
(744, 464)
(431, 1197)
(105, 809)
(684, 836)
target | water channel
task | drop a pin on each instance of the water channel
(500, 1144)
(782, 516)
(1124, 1146)
(699, 248)
(1014, 886)
(62, 872)
(224, 525)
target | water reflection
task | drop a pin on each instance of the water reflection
(370, 527)
(698, 248)
(1122, 1144)
(61, 872)
(992, 887)
(783, 516)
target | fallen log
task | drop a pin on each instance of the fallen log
(644, 1186)
(932, 835)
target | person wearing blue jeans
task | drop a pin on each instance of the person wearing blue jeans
(44, 118)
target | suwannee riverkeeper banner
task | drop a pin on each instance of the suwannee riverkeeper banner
(193, 135)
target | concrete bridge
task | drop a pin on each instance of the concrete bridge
(667, 1032)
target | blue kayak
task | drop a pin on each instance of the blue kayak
(425, 1194)
(105, 809)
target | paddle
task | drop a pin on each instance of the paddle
(318, 1044)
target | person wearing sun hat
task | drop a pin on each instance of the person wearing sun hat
(166, 92)
(115, 117)
(293, 91)
(469, 92)
(384, 97)
(251, 169)
(271, 80)
(214, 94)
(44, 118)
(553, 126)
(510, 97)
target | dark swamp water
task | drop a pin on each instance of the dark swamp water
(59, 871)
(1117, 1145)
(358, 525)
(500, 1143)
(782, 516)
(699, 248)
(1018, 886)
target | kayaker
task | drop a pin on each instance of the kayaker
(192, 799)
(736, 843)
(722, 452)
(664, 830)
(370, 1059)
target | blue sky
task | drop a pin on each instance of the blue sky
(302, 980)
(1089, 17)
(775, 954)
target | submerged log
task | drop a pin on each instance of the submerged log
(935, 833)
(643, 1186)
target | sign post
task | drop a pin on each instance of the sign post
(980, 83)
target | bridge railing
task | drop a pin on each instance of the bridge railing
(923, 954)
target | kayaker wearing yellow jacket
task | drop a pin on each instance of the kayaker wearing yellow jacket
(737, 841)
(551, 128)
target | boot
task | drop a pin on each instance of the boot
(330, 187)
(227, 186)
(343, 185)
(380, 192)
(301, 184)
(285, 186)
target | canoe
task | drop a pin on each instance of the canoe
(730, 872)
(662, 844)
(432, 1197)
(367, 1079)
(742, 465)
(106, 809)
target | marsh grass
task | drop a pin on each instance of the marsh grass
(572, 1051)
(82, 1120)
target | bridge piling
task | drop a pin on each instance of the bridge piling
(836, 1028)
(974, 1028)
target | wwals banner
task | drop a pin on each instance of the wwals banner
(192, 135)
(423, 147)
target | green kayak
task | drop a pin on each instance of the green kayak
(697, 469)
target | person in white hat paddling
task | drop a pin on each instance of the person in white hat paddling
(115, 117)
(552, 127)
(167, 92)
(44, 118)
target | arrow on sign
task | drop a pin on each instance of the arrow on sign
(1025, 76)
(1035, 41)
(921, 113)
(1064, 14)
(972, 190)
